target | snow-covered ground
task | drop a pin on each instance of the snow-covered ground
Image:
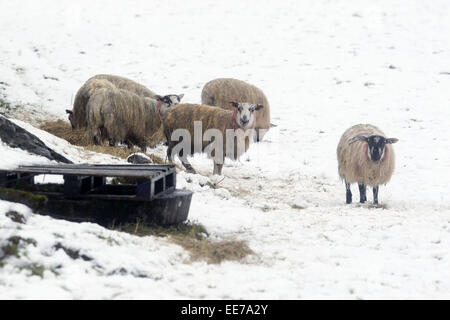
(324, 65)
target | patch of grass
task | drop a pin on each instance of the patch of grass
(214, 252)
(72, 253)
(7, 108)
(16, 217)
(28, 198)
(187, 230)
(10, 249)
(194, 238)
(12, 246)
(109, 240)
(35, 269)
(266, 208)
(298, 207)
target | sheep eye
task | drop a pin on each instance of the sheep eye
(240, 109)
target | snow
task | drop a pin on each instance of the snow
(324, 66)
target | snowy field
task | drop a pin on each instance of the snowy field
(324, 66)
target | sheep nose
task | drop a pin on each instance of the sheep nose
(244, 121)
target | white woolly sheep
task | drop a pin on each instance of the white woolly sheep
(220, 92)
(118, 115)
(365, 156)
(234, 130)
(78, 115)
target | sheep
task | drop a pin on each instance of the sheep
(77, 116)
(127, 84)
(365, 156)
(220, 91)
(231, 131)
(118, 115)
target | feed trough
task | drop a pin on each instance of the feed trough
(92, 193)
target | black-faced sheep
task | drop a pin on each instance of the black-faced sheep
(365, 156)
(220, 92)
(219, 133)
(78, 115)
(117, 115)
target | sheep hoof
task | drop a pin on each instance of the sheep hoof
(348, 198)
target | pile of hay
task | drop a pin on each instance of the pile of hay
(63, 130)
(194, 238)
(79, 137)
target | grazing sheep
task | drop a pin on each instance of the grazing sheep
(220, 91)
(127, 84)
(231, 131)
(77, 116)
(117, 115)
(365, 156)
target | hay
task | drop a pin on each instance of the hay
(194, 238)
(63, 130)
(213, 252)
(79, 137)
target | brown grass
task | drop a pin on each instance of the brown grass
(63, 130)
(193, 238)
(213, 252)
(79, 137)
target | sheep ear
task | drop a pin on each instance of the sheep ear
(180, 96)
(234, 104)
(391, 140)
(69, 111)
(358, 138)
(259, 106)
(158, 97)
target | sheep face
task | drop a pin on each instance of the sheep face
(376, 145)
(170, 99)
(245, 113)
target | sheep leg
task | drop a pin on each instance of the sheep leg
(143, 147)
(142, 144)
(169, 154)
(183, 158)
(375, 195)
(362, 193)
(218, 168)
(348, 193)
(188, 166)
(97, 137)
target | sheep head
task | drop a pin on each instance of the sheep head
(167, 101)
(376, 145)
(244, 115)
